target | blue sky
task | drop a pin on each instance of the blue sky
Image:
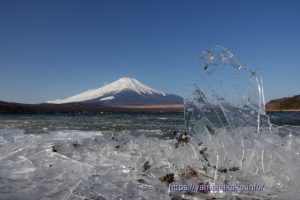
(54, 49)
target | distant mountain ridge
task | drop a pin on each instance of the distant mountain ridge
(124, 95)
(284, 104)
(124, 91)
(82, 108)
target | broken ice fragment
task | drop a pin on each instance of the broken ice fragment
(226, 114)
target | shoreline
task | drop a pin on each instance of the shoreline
(18, 108)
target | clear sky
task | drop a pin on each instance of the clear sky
(55, 49)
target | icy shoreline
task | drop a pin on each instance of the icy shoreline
(94, 165)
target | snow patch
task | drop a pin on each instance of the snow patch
(107, 98)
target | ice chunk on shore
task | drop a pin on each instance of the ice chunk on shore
(226, 113)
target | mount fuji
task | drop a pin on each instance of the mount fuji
(122, 92)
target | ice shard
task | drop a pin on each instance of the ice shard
(226, 113)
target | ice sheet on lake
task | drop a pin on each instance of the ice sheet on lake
(90, 165)
(97, 165)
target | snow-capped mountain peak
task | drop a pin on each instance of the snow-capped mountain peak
(109, 91)
(127, 83)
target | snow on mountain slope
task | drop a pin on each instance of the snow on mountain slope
(110, 91)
